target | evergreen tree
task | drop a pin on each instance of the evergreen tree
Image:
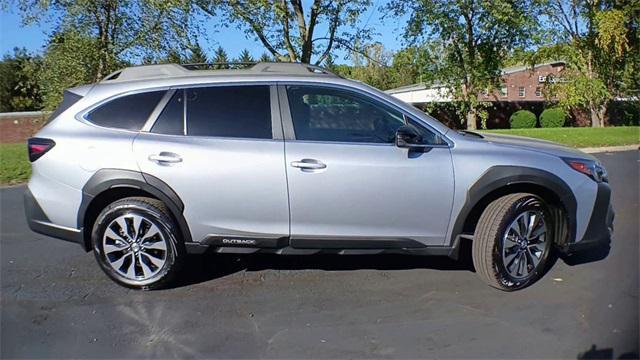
(197, 55)
(265, 58)
(245, 57)
(220, 58)
(173, 57)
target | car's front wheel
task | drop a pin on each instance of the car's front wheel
(512, 241)
(135, 245)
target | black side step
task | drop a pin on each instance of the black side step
(287, 246)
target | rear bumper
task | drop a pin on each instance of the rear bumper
(600, 227)
(40, 223)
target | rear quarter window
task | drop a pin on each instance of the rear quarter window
(129, 112)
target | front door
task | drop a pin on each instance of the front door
(350, 186)
(224, 157)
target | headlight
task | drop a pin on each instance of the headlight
(592, 169)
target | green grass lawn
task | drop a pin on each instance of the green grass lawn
(581, 137)
(14, 164)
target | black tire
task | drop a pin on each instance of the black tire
(155, 216)
(490, 237)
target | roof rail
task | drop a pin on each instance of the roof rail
(290, 67)
(218, 65)
(146, 72)
(175, 70)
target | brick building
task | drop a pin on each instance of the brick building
(522, 88)
(523, 83)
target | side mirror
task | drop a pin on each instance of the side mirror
(408, 136)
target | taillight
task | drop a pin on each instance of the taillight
(38, 147)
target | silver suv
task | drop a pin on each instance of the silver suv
(155, 162)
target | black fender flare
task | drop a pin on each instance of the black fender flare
(106, 179)
(497, 177)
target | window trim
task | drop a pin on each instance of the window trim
(287, 120)
(276, 123)
(522, 91)
(158, 110)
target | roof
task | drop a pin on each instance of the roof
(519, 68)
(505, 71)
(163, 71)
(414, 87)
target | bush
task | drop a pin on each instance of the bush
(523, 119)
(554, 117)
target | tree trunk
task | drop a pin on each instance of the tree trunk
(596, 115)
(472, 118)
(603, 115)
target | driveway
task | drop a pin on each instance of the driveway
(57, 303)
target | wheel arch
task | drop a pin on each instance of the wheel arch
(109, 185)
(498, 181)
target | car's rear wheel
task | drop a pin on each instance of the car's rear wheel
(512, 241)
(135, 243)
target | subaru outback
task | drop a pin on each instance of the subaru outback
(157, 162)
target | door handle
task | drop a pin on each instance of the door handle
(165, 158)
(308, 164)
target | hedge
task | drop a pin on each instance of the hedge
(553, 117)
(523, 119)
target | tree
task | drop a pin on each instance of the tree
(245, 57)
(328, 62)
(19, 88)
(173, 57)
(265, 58)
(120, 28)
(408, 67)
(220, 58)
(596, 38)
(197, 55)
(468, 40)
(69, 60)
(288, 31)
(371, 66)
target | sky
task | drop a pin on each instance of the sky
(33, 37)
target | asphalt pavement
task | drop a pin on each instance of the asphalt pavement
(56, 302)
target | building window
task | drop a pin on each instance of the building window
(503, 91)
(521, 91)
(542, 78)
(538, 91)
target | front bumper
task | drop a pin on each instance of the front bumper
(40, 223)
(600, 227)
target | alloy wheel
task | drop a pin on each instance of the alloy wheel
(134, 247)
(524, 244)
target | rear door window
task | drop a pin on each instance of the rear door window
(129, 112)
(229, 111)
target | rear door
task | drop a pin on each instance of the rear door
(220, 149)
(349, 185)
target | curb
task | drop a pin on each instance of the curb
(591, 150)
